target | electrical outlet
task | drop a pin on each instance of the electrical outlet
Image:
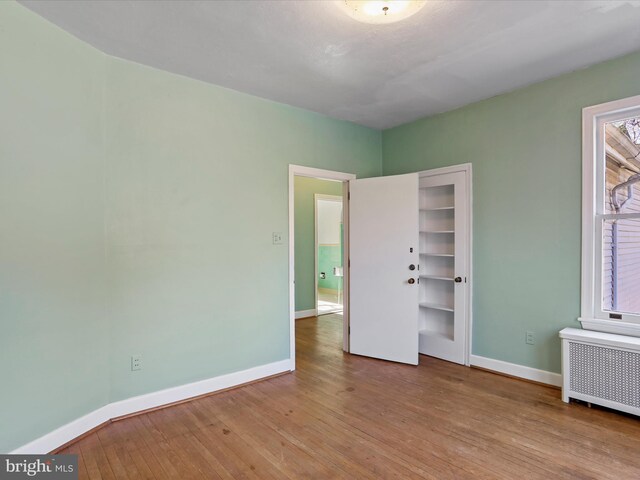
(277, 238)
(530, 338)
(136, 362)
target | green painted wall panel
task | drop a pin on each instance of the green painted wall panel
(53, 324)
(329, 257)
(304, 190)
(525, 148)
(197, 180)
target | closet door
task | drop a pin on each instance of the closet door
(444, 283)
(383, 238)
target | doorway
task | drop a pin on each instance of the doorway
(341, 180)
(329, 265)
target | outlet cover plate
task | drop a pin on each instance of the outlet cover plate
(530, 338)
(136, 362)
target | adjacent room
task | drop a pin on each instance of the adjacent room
(328, 254)
(320, 239)
(319, 253)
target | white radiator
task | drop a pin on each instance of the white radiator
(601, 368)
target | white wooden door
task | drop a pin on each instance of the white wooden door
(444, 265)
(383, 236)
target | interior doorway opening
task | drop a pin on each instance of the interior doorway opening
(318, 256)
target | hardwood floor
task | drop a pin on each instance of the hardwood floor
(343, 416)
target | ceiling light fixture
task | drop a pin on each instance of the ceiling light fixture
(381, 11)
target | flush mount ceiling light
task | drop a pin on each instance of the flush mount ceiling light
(381, 11)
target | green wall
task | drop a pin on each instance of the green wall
(138, 208)
(329, 256)
(53, 324)
(197, 180)
(525, 148)
(304, 222)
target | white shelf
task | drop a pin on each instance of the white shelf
(432, 334)
(436, 306)
(435, 209)
(450, 255)
(437, 231)
(435, 277)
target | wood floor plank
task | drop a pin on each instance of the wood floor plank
(287, 457)
(182, 446)
(97, 464)
(403, 413)
(237, 456)
(75, 450)
(344, 416)
(365, 449)
(315, 437)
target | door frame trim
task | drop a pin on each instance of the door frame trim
(301, 171)
(327, 198)
(468, 170)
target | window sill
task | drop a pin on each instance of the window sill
(610, 326)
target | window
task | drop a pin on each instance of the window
(611, 217)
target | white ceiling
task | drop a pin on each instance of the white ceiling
(311, 55)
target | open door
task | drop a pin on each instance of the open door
(384, 241)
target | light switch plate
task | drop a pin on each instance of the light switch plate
(277, 238)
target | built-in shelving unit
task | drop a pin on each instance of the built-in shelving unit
(427, 217)
(437, 266)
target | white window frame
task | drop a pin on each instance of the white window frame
(592, 316)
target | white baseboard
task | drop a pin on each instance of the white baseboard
(65, 433)
(74, 429)
(516, 370)
(306, 313)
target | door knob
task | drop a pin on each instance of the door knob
(411, 281)
(412, 267)
(457, 279)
